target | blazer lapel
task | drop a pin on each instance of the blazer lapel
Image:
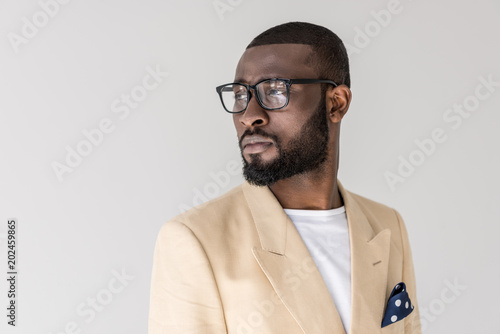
(285, 260)
(369, 268)
(296, 279)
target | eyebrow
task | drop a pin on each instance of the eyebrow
(241, 80)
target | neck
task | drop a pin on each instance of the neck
(315, 190)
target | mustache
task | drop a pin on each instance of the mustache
(260, 132)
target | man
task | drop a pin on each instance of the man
(290, 250)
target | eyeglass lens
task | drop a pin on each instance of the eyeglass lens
(272, 95)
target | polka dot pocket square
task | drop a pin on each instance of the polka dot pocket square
(399, 305)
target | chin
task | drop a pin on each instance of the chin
(263, 158)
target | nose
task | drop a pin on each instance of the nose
(254, 115)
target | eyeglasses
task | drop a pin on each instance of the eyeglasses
(271, 94)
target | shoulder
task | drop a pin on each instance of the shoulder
(221, 205)
(369, 205)
(379, 215)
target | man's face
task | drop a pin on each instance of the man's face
(279, 144)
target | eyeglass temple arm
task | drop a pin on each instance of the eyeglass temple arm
(310, 81)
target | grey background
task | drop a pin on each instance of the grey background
(104, 216)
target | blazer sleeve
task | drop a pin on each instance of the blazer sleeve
(184, 296)
(412, 322)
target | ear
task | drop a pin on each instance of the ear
(338, 100)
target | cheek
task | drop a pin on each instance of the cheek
(286, 125)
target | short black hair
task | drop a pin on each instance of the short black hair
(329, 53)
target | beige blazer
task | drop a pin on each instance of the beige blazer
(236, 264)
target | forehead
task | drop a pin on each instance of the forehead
(275, 61)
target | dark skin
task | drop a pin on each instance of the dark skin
(317, 189)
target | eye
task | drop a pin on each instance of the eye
(240, 96)
(274, 88)
(275, 92)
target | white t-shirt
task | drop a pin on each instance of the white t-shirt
(326, 236)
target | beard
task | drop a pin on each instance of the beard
(304, 153)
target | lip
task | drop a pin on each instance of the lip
(257, 147)
(255, 144)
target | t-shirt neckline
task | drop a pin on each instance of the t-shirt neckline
(317, 213)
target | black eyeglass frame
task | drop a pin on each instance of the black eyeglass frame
(288, 83)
